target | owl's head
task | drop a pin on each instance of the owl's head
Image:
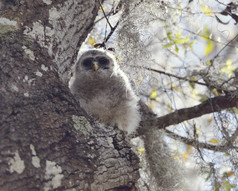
(95, 62)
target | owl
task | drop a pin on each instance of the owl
(104, 91)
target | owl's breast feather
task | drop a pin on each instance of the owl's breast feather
(102, 98)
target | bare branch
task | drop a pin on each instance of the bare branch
(113, 28)
(175, 76)
(209, 106)
(196, 144)
(113, 11)
(111, 32)
(234, 135)
(185, 79)
(104, 14)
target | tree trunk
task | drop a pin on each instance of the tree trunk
(47, 142)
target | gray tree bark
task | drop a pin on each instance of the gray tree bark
(47, 142)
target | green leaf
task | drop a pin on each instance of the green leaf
(215, 141)
(169, 34)
(192, 84)
(209, 43)
(206, 10)
(227, 186)
(209, 47)
(178, 35)
(168, 45)
(208, 62)
(182, 40)
(208, 177)
(92, 41)
(236, 110)
(203, 97)
(141, 151)
(226, 154)
(214, 90)
(153, 94)
(228, 68)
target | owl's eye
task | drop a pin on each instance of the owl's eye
(103, 62)
(87, 63)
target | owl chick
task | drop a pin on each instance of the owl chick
(104, 91)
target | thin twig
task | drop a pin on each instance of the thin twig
(171, 75)
(185, 79)
(196, 144)
(227, 44)
(111, 12)
(105, 14)
(111, 32)
(204, 36)
(113, 28)
(175, 76)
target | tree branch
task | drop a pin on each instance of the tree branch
(209, 106)
(105, 16)
(196, 144)
(184, 78)
(112, 28)
(175, 76)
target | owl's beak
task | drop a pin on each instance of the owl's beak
(95, 66)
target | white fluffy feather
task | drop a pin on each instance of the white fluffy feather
(106, 94)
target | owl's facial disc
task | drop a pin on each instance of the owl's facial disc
(96, 63)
